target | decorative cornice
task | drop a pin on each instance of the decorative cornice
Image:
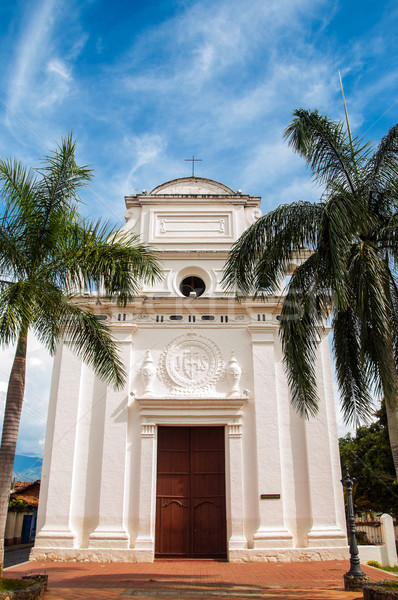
(182, 404)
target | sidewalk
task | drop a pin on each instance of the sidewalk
(194, 579)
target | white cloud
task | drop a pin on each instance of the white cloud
(35, 361)
(37, 390)
(31, 50)
(60, 68)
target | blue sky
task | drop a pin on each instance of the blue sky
(145, 85)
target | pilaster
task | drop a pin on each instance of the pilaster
(145, 540)
(235, 524)
(110, 531)
(55, 520)
(272, 531)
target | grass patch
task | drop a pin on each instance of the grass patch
(374, 563)
(13, 584)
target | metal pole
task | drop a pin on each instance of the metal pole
(355, 568)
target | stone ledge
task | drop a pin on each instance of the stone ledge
(375, 591)
(288, 554)
(105, 555)
(33, 592)
(355, 583)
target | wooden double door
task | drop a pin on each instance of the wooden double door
(190, 497)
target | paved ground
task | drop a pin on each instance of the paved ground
(196, 580)
(15, 557)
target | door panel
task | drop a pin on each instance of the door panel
(190, 501)
(207, 539)
(172, 498)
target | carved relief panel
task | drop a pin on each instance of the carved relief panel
(191, 365)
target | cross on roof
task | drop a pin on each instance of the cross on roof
(193, 160)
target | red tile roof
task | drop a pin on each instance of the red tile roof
(27, 491)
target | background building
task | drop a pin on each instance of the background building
(22, 513)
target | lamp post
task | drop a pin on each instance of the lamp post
(355, 577)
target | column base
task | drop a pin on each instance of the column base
(326, 537)
(52, 538)
(146, 544)
(109, 539)
(272, 538)
(237, 542)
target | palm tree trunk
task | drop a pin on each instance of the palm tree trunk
(392, 421)
(12, 416)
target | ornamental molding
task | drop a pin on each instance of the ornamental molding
(191, 365)
(148, 430)
(235, 430)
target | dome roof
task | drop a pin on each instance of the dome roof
(193, 186)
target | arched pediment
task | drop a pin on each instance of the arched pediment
(192, 186)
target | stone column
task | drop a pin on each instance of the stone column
(145, 541)
(110, 531)
(54, 524)
(235, 525)
(272, 531)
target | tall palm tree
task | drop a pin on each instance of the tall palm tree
(48, 254)
(349, 275)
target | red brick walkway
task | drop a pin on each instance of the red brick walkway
(195, 579)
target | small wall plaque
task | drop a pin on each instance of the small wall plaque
(270, 496)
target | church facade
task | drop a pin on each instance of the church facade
(201, 454)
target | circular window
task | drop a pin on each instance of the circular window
(191, 285)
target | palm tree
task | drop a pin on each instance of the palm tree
(48, 254)
(349, 275)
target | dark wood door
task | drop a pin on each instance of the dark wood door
(190, 499)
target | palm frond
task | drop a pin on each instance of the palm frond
(326, 148)
(356, 401)
(302, 323)
(93, 257)
(56, 317)
(15, 310)
(92, 342)
(386, 238)
(394, 315)
(61, 180)
(369, 279)
(382, 173)
(12, 256)
(342, 217)
(258, 260)
(18, 191)
(48, 320)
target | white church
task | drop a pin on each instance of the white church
(201, 454)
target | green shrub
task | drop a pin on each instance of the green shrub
(17, 505)
(374, 563)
